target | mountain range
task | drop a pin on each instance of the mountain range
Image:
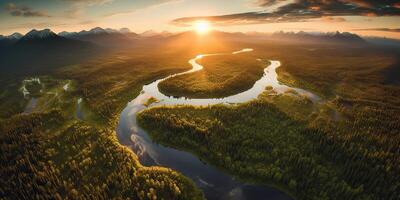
(112, 37)
(41, 49)
(329, 37)
(10, 39)
(102, 37)
(46, 49)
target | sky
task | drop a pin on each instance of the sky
(364, 17)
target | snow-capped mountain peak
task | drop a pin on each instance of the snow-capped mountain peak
(67, 34)
(15, 36)
(110, 30)
(149, 33)
(124, 30)
(35, 34)
(97, 30)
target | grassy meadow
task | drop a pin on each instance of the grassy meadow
(107, 84)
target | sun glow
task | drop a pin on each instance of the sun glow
(202, 27)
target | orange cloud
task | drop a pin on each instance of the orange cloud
(333, 19)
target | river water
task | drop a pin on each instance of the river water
(214, 183)
(31, 105)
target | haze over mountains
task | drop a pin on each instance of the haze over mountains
(43, 49)
(330, 37)
(97, 34)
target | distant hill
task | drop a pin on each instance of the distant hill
(46, 40)
(12, 36)
(6, 41)
(383, 41)
(336, 38)
(213, 35)
(103, 37)
(151, 33)
(343, 38)
(42, 50)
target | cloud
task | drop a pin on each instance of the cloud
(396, 30)
(89, 2)
(332, 19)
(301, 10)
(24, 11)
(149, 4)
(85, 22)
(240, 19)
(77, 7)
(74, 11)
(264, 3)
(39, 25)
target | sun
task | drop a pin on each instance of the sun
(202, 27)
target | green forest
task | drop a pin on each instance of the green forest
(222, 76)
(49, 154)
(345, 147)
(46, 158)
(316, 158)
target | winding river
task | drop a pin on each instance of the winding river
(214, 183)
